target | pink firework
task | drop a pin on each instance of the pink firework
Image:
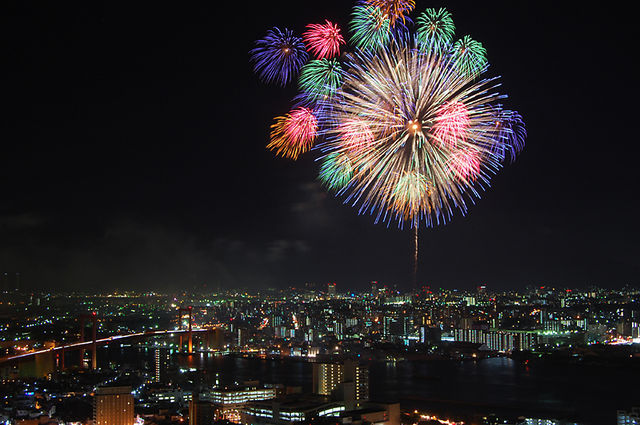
(452, 122)
(465, 164)
(323, 40)
(355, 134)
(294, 133)
(302, 126)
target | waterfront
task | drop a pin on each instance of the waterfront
(586, 394)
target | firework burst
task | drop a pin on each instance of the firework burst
(451, 124)
(320, 78)
(393, 9)
(294, 133)
(355, 134)
(323, 40)
(470, 56)
(435, 29)
(336, 171)
(370, 28)
(425, 132)
(512, 131)
(410, 130)
(465, 164)
(278, 56)
(409, 194)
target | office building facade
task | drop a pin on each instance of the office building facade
(113, 406)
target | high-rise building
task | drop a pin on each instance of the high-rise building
(338, 330)
(327, 377)
(359, 375)
(499, 340)
(241, 337)
(389, 325)
(396, 326)
(113, 406)
(161, 364)
(348, 381)
(331, 289)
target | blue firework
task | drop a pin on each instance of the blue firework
(277, 57)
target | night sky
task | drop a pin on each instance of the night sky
(133, 157)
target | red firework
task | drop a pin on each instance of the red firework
(452, 123)
(323, 40)
(294, 133)
(465, 164)
(302, 125)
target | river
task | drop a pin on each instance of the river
(586, 394)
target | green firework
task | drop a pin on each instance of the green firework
(370, 27)
(470, 56)
(336, 171)
(435, 29)
(320, 78)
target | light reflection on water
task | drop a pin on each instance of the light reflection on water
(500, 385)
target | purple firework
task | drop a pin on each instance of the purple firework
(513, 133)
(279, 56)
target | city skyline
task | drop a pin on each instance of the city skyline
(544, 354)
(135, 158)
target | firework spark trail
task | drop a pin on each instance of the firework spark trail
(411, 132)
(470, 56)
(320, 78)
(451, 124)
(434, 134)
(512, 131)
(336, 171)
(435, 30)
(323, 40)
(393, 9)
(278, 56)
(370, 28)
(415, 259)
(294, 133)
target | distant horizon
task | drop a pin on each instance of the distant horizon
(319, 287)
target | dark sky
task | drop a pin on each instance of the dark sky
(133, 154)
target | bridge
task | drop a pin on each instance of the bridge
(49, 359)
(40, 363)
(102, 341)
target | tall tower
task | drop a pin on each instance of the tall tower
(161, 364)
(113, 406)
